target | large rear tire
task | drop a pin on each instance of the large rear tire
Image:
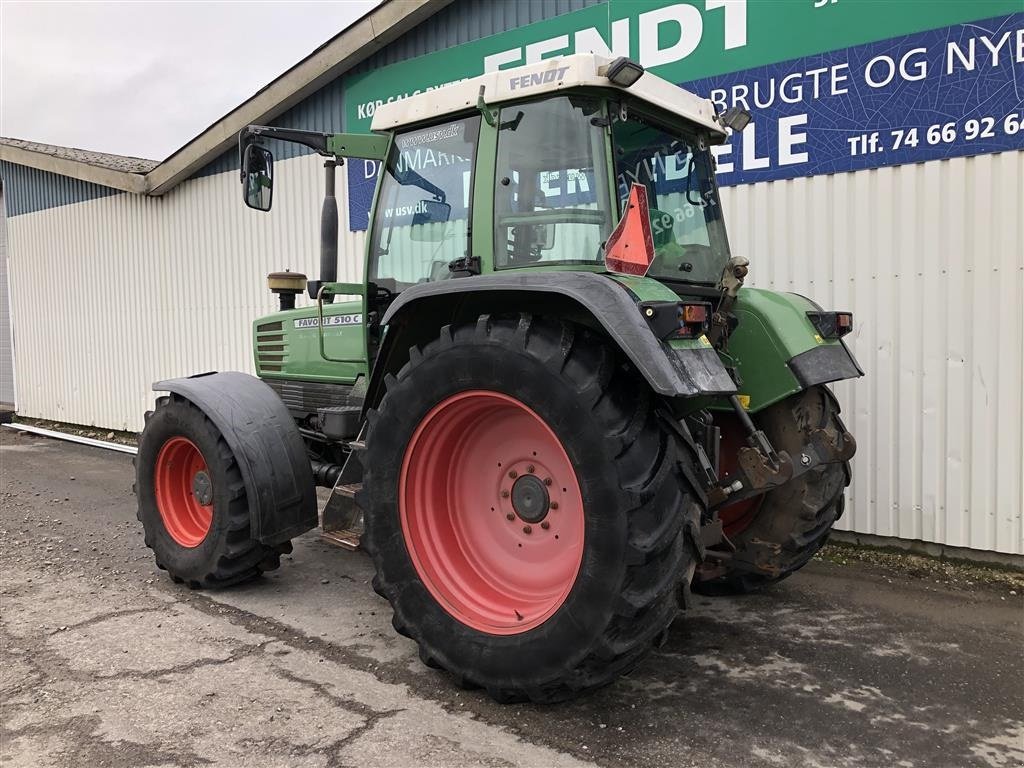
(192, 501)
(525, 511)
(777, 534)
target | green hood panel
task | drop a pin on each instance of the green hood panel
(287, 344)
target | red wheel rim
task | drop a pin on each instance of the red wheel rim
(184, 493)
(500, 557)
(737, 517)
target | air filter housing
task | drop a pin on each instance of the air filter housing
(287, 285)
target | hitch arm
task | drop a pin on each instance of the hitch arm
(756, 476)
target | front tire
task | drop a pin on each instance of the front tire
(193, 503)
(525, 512)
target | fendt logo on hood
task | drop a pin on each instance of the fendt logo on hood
(537, 78)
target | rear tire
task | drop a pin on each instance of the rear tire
(778, 533)
(198, 529)
(559, 624)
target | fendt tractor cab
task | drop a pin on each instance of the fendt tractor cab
(550, 407)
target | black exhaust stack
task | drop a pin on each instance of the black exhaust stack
(329, 231)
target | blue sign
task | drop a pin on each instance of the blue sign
(951, 92)
(948, 92)
(362, 180)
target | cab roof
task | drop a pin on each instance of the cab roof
(581, 70)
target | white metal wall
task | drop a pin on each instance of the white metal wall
(929, 258)
(6, 337)
(112, 294)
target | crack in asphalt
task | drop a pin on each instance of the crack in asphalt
(100, 618)
(370, 715)
(90, 749)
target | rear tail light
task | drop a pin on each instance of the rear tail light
(831, 325)
(695, 313)
(675, 320)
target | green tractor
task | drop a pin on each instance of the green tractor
(549, 410)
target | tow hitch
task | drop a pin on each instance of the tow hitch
(761, 468)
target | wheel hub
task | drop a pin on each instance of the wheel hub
(491, 512)
(202, 488)
(530, 499)
(184, 491)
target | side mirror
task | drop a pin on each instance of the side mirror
(258, 177)
(427, 213)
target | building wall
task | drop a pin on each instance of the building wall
(114, 293)
(929, 259)
(6, 338)
(927, 256)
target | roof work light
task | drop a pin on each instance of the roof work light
(736, 118)
(624, 72)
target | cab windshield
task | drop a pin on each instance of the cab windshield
(690, 243)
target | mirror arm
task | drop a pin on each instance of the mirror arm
(315, 140)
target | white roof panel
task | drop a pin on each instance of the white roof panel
(548, 76)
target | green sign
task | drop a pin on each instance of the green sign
(679, 41)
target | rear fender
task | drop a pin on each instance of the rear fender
(778, 352)
(587, 298)
(267, 445)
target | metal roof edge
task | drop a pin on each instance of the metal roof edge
(108, 177)
(364, 37)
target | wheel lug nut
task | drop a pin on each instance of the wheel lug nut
(547, 481)
(513, 474)
(504, 494)
(527, 529)
(545, 525)
(554, 505)
(531, 469)
(510, 516)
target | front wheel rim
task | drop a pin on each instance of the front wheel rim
(184, 491)
(491, 512)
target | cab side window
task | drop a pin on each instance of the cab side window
(421, 220)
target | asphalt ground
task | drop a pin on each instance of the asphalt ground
(106, 662)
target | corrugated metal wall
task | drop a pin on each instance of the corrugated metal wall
(114, 293)
(6, 346)
(117, 292)
(30, 189)
(930, 259)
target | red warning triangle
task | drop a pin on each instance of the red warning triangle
(630, 249)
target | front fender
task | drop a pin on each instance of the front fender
(778, 352)
(266, 444)
(672, 370)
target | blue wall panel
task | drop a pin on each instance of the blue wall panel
(29, 189)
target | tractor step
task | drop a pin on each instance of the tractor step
(345, 539)
(341, 520)
(348, 491)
